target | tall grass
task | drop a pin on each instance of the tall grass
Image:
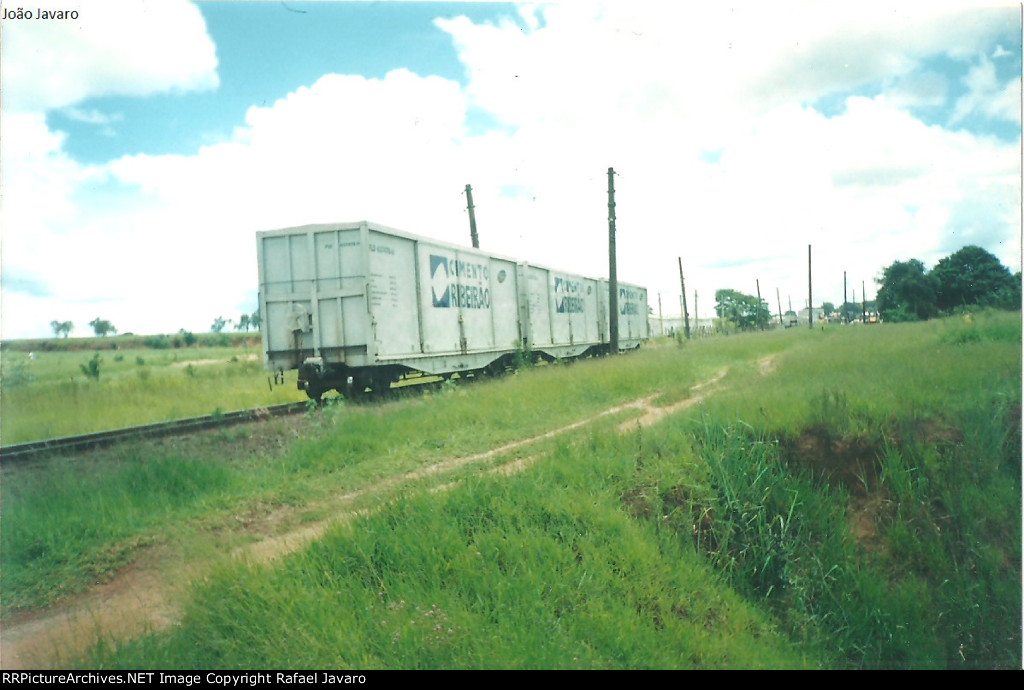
(784, 540)
(51, 396)
(856, 504)
(544, 570)
(933, 425)
(61, 530)
(341, 448)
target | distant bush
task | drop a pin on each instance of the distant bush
(983, 326)
(91, 369)
(18, 374)
(157, 342)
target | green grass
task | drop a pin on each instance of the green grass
(857, 505)
(544, 571)
(62, 530)
(51, 395)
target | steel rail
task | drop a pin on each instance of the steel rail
(24, 451)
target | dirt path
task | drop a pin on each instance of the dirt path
(147, 596)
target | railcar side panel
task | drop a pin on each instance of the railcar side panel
(536, 310)
(392, 296)
(561, 312)
(313, 283)
(632, 303)
(340, 324)
(575, 316)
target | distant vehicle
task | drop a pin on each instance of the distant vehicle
(357, 306)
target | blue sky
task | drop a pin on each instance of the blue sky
(144, 143)
(265, 50)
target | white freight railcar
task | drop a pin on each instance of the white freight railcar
(359, 305)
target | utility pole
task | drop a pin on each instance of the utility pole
(760, 323)
(472, 218)
(661, 320)
(696, 318)
(613, 281)
(810, 300)
(682, 286)
(846, 316)
(779, 301)
(863, 304)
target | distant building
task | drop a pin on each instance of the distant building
(671, 324)
(818, 313)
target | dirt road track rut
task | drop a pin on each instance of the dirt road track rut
(142, 599)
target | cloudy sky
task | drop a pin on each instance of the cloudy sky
(144, 144)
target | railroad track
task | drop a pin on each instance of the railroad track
(26, 451)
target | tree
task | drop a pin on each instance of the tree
(102, 327)
(255, 320)
(218, 324)
(827, 308)
(244, 321)
(62, 328)
(973, 276)
(907, 293)
(745, 311)
(850, 312)
(188, 337)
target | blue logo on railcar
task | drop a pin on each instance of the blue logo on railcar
(567, 296)
(629, 301)
(440, 284)
(448, 288)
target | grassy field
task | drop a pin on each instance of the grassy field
(48, 393)
(839, 498)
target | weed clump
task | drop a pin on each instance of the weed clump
(91, 369)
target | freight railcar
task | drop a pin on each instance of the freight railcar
(357, 306)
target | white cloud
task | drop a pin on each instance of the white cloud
(1001, 52)
(918, 90)
(113, 48)
(713, 65)
(646, 88)
(122, 48)
(92, 117)
(985, 96)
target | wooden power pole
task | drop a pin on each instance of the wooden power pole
(863, 304)
(613, 281)
(472, 218)
(661, 319)
(846, 316)
(810, 300)
(686, 312)
(760, 323)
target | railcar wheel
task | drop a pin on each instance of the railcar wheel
(380, 384)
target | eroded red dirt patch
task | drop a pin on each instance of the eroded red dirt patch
(850, 461)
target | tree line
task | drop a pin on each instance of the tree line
(966, 278)
(970, 277)
(102, 327)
